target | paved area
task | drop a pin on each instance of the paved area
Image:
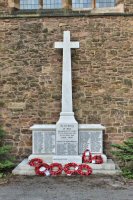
(94, 187)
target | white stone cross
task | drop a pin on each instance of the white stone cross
(67, 45)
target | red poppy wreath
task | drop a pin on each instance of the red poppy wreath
(56, 169)
(35, 161)
(97, 159)
(71, 169)
(87, 156)
(84, 170)
(42, 169)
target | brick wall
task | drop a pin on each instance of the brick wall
(3, 5)
(129, 6)
(31, 68)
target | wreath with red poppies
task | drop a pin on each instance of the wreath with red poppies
(71, 169)
(87, 156)
(35, 162)
(97, 159)
(42, 169)
(56, 169)
(84, 170)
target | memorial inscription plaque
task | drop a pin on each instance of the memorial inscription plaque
(44, 142)
(92, 140)
(96, 142)
(67, 139)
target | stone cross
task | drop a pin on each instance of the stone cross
(67, 45)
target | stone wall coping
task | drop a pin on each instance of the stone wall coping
(75, 14)
(92, 126)
(53, 126)
(42, 126)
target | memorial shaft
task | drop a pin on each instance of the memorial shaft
(67, 45)
(67, 77)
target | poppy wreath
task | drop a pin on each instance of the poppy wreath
(58, 171)
(35, 161)
(87, 156)
(84, 170)
(69, 171)
(97, 159)
(42, 169)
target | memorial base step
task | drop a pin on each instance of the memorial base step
(61, 158)
(106, 168)
(57, 158)
(46, 158)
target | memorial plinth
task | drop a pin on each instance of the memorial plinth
(90, 136)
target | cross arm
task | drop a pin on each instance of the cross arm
(58, 45)
(75, 45)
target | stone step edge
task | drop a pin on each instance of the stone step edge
(32, 173)
(24, 169)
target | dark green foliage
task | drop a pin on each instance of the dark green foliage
(124, 153)
(6, 162)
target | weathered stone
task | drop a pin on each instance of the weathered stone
(62, 24)
(17, 105)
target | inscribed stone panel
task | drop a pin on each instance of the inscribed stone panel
(44, 142)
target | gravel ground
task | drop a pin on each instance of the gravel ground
(66, 188)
